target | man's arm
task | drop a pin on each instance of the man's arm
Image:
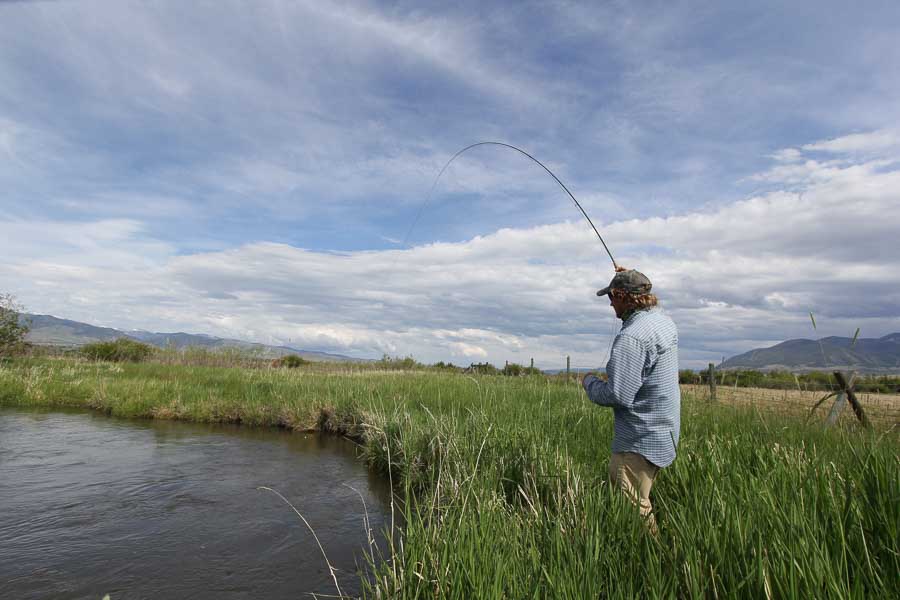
(625, 375)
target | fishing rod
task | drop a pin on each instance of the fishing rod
(522, 152)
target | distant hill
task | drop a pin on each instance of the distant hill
(52, 331)
(868, 355)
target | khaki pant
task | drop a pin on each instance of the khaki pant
(634, 475)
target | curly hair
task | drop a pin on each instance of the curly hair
(635, 301)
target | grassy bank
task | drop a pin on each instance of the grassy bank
(504, 479)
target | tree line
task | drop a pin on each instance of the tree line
(785, 380)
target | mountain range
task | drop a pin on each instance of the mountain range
(866, 355)
(47, 330)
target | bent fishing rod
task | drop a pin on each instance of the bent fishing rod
(522, 152)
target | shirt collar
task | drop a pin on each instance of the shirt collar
(627, 316)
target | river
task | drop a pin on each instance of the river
(91, 505)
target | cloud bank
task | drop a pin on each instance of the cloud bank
(733, 277)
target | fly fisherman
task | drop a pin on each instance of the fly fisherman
(641, 388)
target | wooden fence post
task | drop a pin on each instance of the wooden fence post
(568, 366)
(851, 396)
(712, 382)
(532, 363)
(839, 404)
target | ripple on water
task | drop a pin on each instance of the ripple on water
(91, 505)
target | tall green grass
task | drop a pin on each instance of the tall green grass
(501, 487)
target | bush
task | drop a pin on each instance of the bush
(402, 364)
(291, 361)
(512, 370)
(517, 370)
(448, 366)
(12, 326)
(687, 376)
(120, 350)
(484, 368)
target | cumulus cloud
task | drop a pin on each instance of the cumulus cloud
(742, 275)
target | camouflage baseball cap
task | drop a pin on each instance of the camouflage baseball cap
(631, 281)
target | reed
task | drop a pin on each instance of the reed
(500, 481)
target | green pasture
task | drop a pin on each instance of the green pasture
(500, 481)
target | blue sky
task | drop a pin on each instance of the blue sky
(248, 169)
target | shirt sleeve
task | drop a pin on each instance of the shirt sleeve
(625, 375)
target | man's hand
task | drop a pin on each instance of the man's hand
(586, 375)
(600, 376)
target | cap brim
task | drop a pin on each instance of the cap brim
(604, 291)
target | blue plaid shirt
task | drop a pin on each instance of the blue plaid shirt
(642, 388)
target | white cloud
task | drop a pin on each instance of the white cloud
(743, 274)
(787, 155)
(873, 141)
(468, 350)
(444, 43)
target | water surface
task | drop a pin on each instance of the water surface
(91, 505)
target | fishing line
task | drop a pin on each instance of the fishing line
(612, 339)
(437, 179)
(522, 152)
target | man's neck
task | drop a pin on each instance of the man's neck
(631, 312)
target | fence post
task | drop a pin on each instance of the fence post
(532, 363)
(568, 366)
(712, 382)
(847, 388)
(839, 403)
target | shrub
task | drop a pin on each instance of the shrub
(484, 368)
(120, 350)
(517, 370)
(687, 376)
(512, 370)
(290, 361)
(402, 364)
(12, 326)
(448, 366)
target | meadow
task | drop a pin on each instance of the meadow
(500, 482)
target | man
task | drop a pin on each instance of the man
(641, 387)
